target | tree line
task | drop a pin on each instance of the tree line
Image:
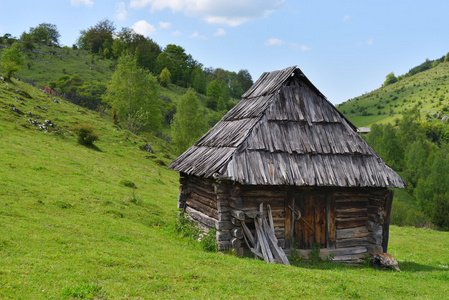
(418, 149)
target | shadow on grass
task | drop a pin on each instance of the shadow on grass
(409, 266)
(93, 147)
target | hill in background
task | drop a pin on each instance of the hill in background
(425, 87)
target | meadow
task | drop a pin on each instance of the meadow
(73, 227)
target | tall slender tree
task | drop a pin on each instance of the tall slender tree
(188, 122)
(133, 91)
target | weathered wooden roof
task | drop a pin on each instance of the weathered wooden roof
(285, 132)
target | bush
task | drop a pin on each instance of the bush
(85, 133)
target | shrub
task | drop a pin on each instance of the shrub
(85, 133)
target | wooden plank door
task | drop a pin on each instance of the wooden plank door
(311, 228)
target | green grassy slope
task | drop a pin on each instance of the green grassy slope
(49, 63)
(429, 90)
(70, 229)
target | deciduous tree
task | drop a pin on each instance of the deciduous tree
(133, 91)
(188, 122)
(11, 60)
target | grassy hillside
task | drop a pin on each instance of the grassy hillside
(72, 228)
(428, 90)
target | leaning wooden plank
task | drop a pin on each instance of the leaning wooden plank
(273, 241)
(265, 240)
(248, 234)
(257, 253)
(262, 243)
(270, 217)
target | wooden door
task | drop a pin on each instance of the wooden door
(311, 227)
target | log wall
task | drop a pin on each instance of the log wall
(358, 218)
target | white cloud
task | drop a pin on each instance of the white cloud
(300, 47)
(219, 32)
(176, 33)
(143, 27)
(274, 42)
(229, 12)
(369, 42)
(81, 2)
(197, 35)
(165, 25)
(346, 18)
(120, 11)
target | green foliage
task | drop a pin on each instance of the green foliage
(95, 37)
(185, 227)
(86, 134)
(11, 60)
(44, 33)
(164, 77)
(133, 91)
(390, 79)
(403, 214)
(420, 149)
(188, 122)
(213, 94)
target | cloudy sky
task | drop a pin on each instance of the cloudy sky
(346, 47)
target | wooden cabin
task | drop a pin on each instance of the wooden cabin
(285, 146)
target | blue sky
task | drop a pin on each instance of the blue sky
(346, 47)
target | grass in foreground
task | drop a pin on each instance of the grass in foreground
(72, 229)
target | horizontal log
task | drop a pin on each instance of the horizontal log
(221, 189)
(235, 202)
(349, 233)
(351, 212)
(351, 258)
(355, 242)
(223, 206)
(238, 214)
(182, 198)
(222, 197)
(184, 190)
(351, 204)
(183, 180)
(223, 235)
(374, 249)
(350, 222)
(200, 217)
(374, 238)
(223, 225)
(201, 191)
(181, 205)
(377, 201)
(237, 232)
(260, 192)
(211, 212)
(279, 222)
(224, 246)
(351, 251)
(225, 216)
(236, 243)
(206, 201)
(235, 221)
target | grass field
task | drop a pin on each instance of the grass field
(71, 228)
(427, 90)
